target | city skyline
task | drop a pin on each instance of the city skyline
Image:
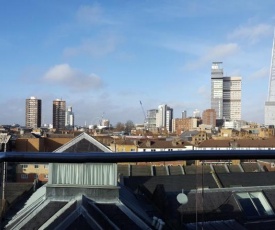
(105, 57)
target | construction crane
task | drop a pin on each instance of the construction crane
(145, 117)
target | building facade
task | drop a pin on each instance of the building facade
(209, 117)
(184, 114)
(217, 89)
(33, 112)
(270, 103)
(69, 118)
(186, 124)
(225, 94)
(164, 117)
(152, 118)
(232, 89)
(59, 109)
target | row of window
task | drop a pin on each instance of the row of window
(26, 176)
(24, 166)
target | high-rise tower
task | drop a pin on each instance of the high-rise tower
(33, 112)
(232, 92)
(217, 89)
(270, 103)
(164, 117)
(59, 109)
(226, 94)
(69, 119)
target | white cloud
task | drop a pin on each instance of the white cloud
(94, 47)
(220, 52)
(93, 15)
(251, 33)
(64, 75)
(260, 74)
(89, 14)
(216, 53)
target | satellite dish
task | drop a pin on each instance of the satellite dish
(182, 198)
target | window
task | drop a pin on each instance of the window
(46, 166)
(36, 166)
(24, 176)
(254, 204)
(24, 166)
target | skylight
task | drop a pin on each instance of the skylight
(254, 204)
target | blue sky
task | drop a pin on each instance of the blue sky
(104, 57)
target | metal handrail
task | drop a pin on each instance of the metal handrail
(116, 157)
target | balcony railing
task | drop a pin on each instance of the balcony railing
(117, 157)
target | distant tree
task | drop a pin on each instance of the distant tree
(129, 125)
(120, 127)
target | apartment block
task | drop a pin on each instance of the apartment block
(59, 110)
(33, 112)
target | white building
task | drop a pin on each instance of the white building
(196, 113)
(164, 117)
(69, 117)
(225, 94)
(232, 90)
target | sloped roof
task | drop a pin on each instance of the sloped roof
(79, 212)
(214, 205)
(189, 134)
(83, 143)
(125, 141)
(164, 144)
(247, 179)
(171, 183)
(15, 190)
(214, 225)
(240, 143)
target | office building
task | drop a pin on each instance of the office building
(69, 118)
(59, 108)
(225, 94)
(270, 103)
(151, 118)
(33, 112)
(232, 89)
(184, 114)
(164, 117)
(217, 89)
